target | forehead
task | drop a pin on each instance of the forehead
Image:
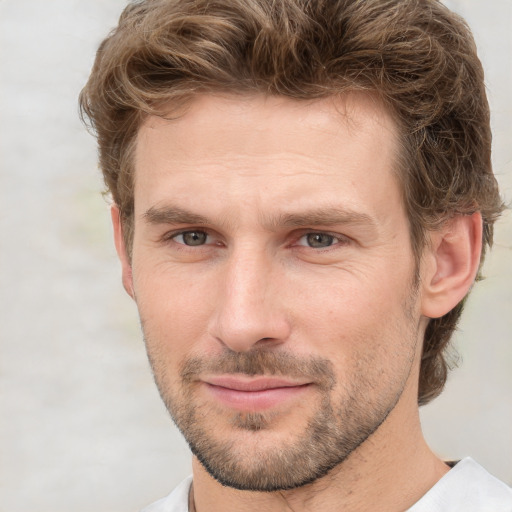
(244, 148)
(206, 118)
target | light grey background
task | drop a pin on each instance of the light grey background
(81, 424)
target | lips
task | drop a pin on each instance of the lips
(253, 394)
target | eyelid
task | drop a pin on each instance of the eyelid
(214, 239)
(339, 238)
(171, 235)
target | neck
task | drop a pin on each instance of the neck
(393, 468)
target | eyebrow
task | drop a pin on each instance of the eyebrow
(173, 215)
(326, 216)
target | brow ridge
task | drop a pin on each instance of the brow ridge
(329, 216)
(173, 215)
(326, 216)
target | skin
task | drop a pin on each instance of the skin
(300, 246)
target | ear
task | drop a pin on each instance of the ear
(451, 264)
(121, 250)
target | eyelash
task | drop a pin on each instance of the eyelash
(170, 237)
(338, 239)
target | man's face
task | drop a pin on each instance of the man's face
(274, 278)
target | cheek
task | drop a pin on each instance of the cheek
(360, 322)
(342, 300)
(174, 310)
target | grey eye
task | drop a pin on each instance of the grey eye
(319, 240)
(192, 238)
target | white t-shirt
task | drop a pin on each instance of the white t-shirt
(468, 487)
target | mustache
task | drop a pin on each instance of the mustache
(260, 362)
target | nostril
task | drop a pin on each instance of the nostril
(266, 341)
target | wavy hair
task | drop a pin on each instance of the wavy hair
(417, 56)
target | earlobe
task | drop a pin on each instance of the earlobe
(451, 264)
(121, 250)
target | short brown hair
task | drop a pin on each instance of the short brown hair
(418, 57)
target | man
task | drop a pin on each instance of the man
(303, 196)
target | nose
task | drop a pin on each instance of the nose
(249, 311)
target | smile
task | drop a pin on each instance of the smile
(253, 394)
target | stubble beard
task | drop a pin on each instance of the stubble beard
(332, 433)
